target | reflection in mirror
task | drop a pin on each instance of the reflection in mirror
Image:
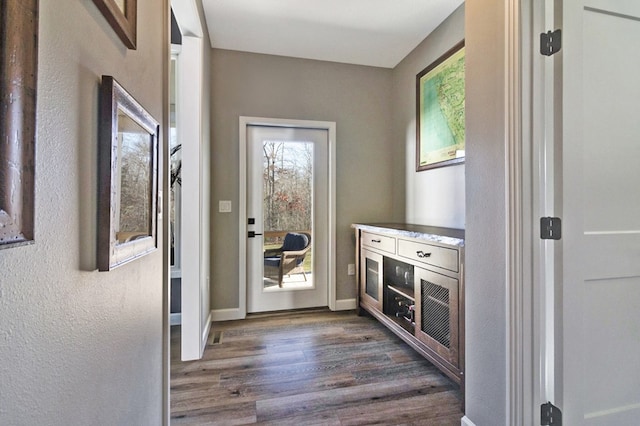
(135, 174)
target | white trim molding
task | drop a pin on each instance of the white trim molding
(465, 421)
(188, 17)
(344, 305)
(205, 333)
(519, 226)
(193, 217)
(228, 314)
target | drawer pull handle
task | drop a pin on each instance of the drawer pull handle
(376, 241)
(422, 254)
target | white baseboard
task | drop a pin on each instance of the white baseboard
(205, 335)
(466, 422)
(345, 304)
(235, 314)
(226, 314)
(175, 319)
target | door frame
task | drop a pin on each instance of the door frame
(529, 88)
(330, 127)
(518, 225)
(525, 186)
(195, 310)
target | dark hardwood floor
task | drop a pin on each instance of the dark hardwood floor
(309, 368)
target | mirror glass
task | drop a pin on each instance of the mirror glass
(135, 146)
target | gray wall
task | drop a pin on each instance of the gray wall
(78, 346)
(433, 197)
(357, 98)
(469, 196)
(486, 222)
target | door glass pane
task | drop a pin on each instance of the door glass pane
(287, 180)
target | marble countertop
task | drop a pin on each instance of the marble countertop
(451, 236)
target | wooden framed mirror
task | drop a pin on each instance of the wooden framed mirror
(18, 80)
(127, 178)
(122, 16)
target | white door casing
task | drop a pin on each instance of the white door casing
(195, 312)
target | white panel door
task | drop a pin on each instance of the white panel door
(598, 311)
(279, 158)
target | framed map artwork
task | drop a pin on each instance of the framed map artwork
(440, 111)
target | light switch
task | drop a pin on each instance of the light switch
(351, 269)
(224, 206)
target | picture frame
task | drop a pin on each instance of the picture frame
(18, 81)
(440, 96)
(122, 16)
(128, 203)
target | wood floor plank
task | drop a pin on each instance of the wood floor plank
(428, 408)
(337, 400)
(231, 414)
(238, 363)
(309, 368)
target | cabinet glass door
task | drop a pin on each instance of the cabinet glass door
(371, 292)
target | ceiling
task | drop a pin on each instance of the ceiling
(365, 32)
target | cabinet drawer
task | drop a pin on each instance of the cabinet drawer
(380, 242)
(441, 257)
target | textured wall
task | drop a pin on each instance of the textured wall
(77, 346)
(357, 98)
(434, 197)
(486, 222)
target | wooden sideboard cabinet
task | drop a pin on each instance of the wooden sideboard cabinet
(411, 279)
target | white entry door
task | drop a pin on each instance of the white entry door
(287, 194)
(598, 304)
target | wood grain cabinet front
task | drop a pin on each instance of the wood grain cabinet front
(437, 314)
(379, 242)
(429, 254)
(412, 281)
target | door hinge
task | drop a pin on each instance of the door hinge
(550, 42)
(550, 228)
(550, 415)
